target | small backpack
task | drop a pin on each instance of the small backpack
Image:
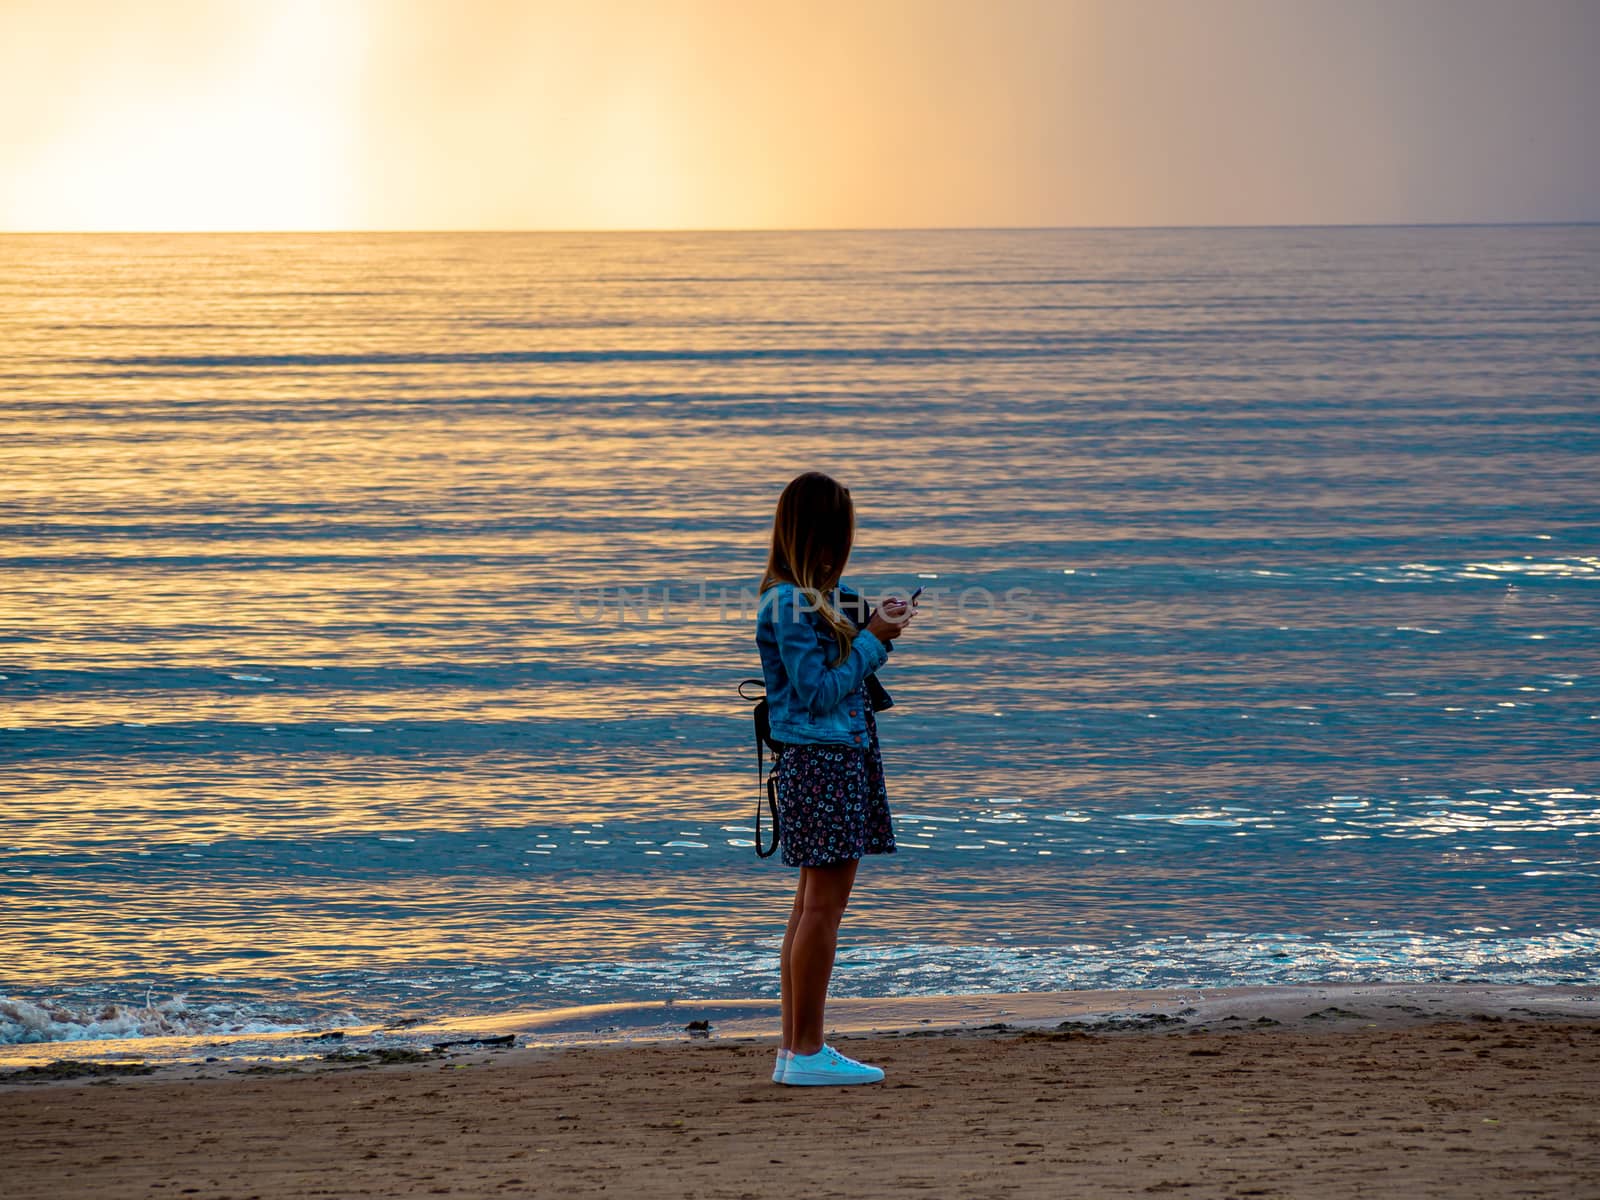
(764, 735)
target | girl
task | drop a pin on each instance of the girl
(832, 805)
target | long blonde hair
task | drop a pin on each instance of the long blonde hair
(812, 533)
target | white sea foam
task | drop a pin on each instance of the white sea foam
(26, 1021)
(1397, 954)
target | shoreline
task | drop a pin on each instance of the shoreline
(1194, 1009)
(1418, 1090)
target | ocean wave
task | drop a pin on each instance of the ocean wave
(909, 353)
(24, 1022)
(1218, 959)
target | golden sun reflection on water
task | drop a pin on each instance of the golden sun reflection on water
(302, 671)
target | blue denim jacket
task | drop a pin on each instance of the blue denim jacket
(808, 700)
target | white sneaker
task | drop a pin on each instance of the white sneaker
(827, 1067)
(782, 1065)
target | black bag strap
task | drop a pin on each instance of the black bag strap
(763, 734)
(772, 805)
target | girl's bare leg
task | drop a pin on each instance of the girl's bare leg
(824, 893)
(785, 979)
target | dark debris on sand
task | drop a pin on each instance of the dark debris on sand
(63, 1068)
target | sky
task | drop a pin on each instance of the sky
(767, 114)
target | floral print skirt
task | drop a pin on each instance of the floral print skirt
(832, 803)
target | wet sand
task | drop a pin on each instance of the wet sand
(1308, 1102)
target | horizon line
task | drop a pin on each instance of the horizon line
(810, 229)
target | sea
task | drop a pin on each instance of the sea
(373, 609)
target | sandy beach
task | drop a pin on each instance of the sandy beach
(1291, 1096)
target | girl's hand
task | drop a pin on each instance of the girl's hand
(890, 618)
